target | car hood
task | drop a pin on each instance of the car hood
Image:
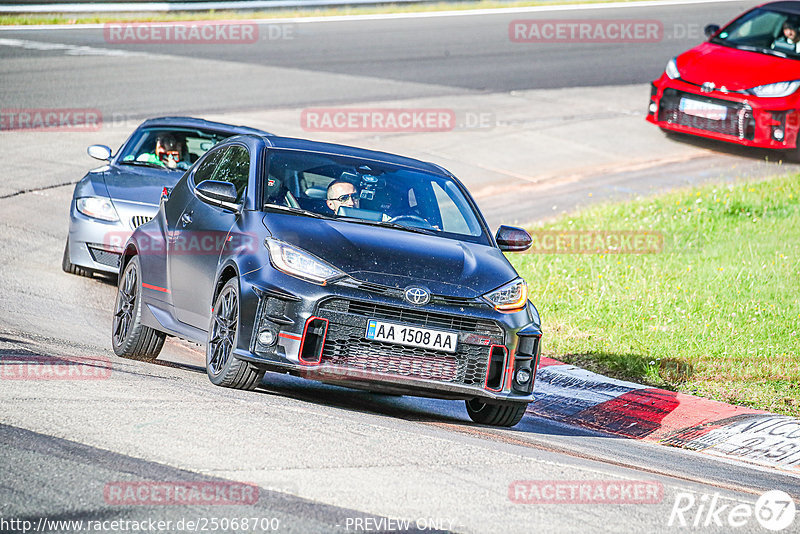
(138, 184)
(397, 258)
(733, 68)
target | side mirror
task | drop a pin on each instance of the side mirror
(511, 239)
(710, 30)
(220, 194)
(101, 152)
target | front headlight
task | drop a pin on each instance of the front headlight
(511, 297)
(776, 90)
(297, 262)
(672, 69)
(97, 208)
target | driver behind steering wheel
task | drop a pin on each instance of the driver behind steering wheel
(341, 193)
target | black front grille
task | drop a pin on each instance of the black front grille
(104, 257)
(738, 120)
(416, 316)
(346, 346)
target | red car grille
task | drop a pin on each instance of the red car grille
(738, 121)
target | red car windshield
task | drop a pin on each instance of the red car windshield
(763, 30)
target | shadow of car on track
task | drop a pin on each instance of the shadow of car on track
(585, 422)
(731, 149)
(576, 420)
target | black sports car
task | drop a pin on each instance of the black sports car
(338, 264)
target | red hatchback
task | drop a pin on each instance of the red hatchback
(739, 86)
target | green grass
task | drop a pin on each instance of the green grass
(96, 18)
(716, 313)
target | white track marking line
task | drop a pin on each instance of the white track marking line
(70, 50)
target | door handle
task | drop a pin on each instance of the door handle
(186, 218)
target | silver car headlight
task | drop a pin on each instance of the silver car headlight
(97, 208)
(672, 69)
(511, 297)
(297, 262)
(776, 90)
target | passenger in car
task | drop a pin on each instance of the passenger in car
(788, 41)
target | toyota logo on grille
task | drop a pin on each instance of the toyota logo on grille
(417, 296)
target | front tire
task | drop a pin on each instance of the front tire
(71, 268)
(222, 367)
(507, 414)
(129, 337)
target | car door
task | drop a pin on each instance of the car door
(201, 236)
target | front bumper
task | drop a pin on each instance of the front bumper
(320, 335)
(748, 120)
(96, 244)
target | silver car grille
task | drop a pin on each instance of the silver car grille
(139, 220)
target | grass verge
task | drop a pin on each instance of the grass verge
(716, 313)
(99, 18)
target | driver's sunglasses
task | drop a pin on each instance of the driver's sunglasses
(345, 198)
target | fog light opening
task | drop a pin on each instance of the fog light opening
(778, 134)
(267, 338)
(653, 107)
(523, 376)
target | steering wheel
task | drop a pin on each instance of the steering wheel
(415, 218)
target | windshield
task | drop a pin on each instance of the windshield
(763, 30)
(369, 192)
(169, 148)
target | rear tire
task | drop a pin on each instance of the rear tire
(70, 268)
(129, 337)
(507, 414)
(222, 367)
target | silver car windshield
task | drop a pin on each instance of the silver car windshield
(169, 148)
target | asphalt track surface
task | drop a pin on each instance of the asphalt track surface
(323, 457)
(343, 62)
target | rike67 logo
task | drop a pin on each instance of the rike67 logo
(775, 510)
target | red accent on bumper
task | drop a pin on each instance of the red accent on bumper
(489, 367)
(324, 336)
(155, 288)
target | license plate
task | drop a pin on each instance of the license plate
(411, 336)
(705, 110)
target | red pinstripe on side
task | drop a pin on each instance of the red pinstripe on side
(155, 288)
